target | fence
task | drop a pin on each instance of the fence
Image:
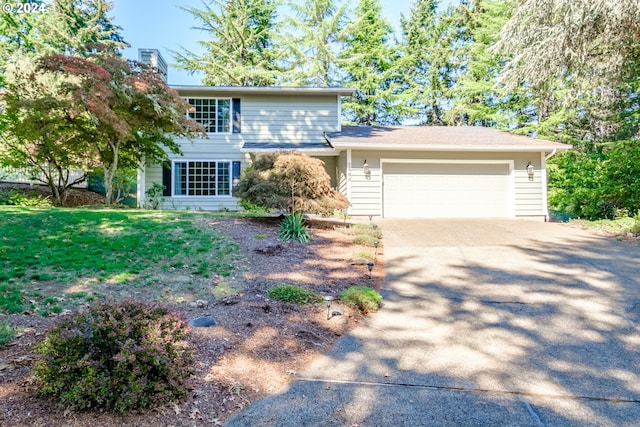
(24, 176)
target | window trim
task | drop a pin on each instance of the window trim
(209, 160)
(230, 120)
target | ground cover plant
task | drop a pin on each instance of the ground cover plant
(294, 294)
(363, 298)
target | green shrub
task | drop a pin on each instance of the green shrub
(292, 228)
(363, 298)
(119, 356)
(6, 333)
(11, 299)
(295, 294)
(25, 199)
(250, 207)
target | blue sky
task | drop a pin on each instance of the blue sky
(162, 25)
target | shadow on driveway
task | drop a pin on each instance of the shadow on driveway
(484, 323)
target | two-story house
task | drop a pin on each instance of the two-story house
(405, 171)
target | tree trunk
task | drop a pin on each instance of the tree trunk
(109, 173)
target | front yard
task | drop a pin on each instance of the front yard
(58, 261)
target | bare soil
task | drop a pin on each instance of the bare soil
(257, 348)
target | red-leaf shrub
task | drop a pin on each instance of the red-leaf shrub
(120, 356)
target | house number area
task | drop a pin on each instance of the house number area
(23, 7)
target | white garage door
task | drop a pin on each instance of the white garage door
(445, 190)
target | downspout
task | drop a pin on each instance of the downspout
(550, 155)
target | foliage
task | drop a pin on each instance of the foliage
(240, 50)
(294, 294)
(7, 333)
(292, 228)
(120, 356)
(362, 298)
(11, 299)
(290, 181)
(314, 40)
(131, 113)
(426, 62)
(42, 128)
(117, 246)
(250, 207)
(364, 234)
(21, 198)
(598, 184)
(154, 195)
(367, 62)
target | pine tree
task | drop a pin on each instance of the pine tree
(241, 49)
(315, 42)
(476, 99)
(426, 60)
(368, 63)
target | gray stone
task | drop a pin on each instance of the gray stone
(202, 322)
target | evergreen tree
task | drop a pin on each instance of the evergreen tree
(315, 42)
(426, 60)
(241, 49)
(476, 100)
(368, 63)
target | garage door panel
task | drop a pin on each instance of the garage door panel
(446, 190)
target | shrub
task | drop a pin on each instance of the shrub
(363, 298)
(295, 294)
(119, 356)
(6, 333)
(25, 199)
(292, 228)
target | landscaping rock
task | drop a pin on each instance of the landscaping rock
(202, 322)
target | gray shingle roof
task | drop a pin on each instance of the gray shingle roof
(437, 137)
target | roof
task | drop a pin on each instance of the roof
(286, 146)
(438, 138)
(261, 90)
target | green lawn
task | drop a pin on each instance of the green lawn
(58, 254)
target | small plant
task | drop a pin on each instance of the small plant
(295, 294)
(363, 298)
(24, 199)
(11, 299)
(260, 236)
(120, 357)
(154, 196)
(7, 332)
(292, 228)
(364, 254)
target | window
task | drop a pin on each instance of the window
(205, 178)
(213, 114)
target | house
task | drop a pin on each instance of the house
(407, 171)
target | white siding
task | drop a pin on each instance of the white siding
(288, 119)
(366, 193)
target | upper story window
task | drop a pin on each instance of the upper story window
(214, 114)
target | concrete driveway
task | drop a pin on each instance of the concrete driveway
(485, 322)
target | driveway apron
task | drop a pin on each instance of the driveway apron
(485, 322)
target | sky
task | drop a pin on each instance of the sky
(162, 25)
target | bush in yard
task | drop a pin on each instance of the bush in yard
(295, 294)
(363, 298)
(120, 357)
(292, 228)
(290, 182)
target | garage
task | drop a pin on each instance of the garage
(446, 190)
(442, 172)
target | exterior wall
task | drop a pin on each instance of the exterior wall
(366, 191)
(331, 167)
(291, 120)
(342, 173)
(288, 119)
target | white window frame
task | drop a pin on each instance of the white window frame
(174, 186)
(217, 100)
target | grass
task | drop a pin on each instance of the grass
(51, 246)
(7, 332)
(294, 294)
(617, 226)
(363, 234)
